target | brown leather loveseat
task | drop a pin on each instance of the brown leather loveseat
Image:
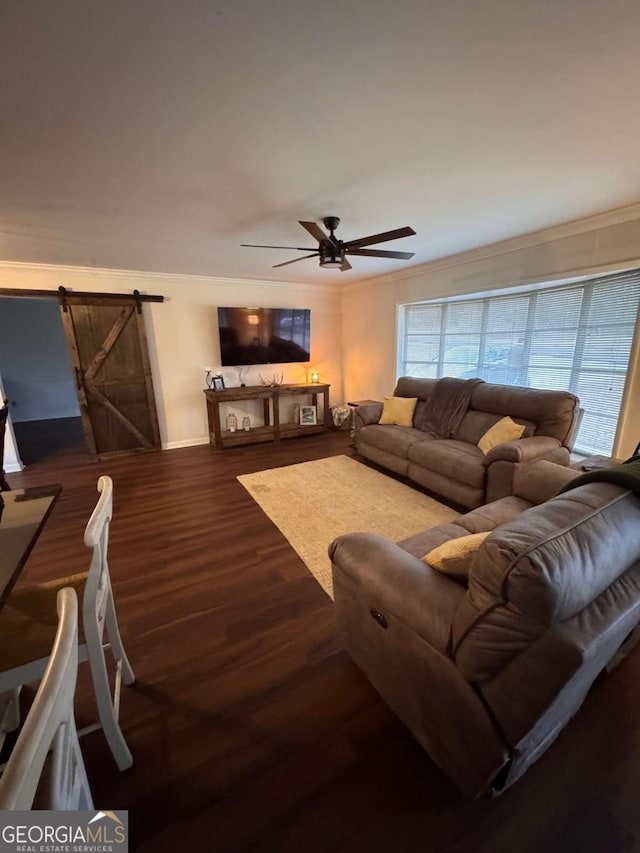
(486, 676)
(454, 466)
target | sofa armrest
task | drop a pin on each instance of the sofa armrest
(504, 460)
(524, 449)
(397, 583)
(539, 481)
(367, 414)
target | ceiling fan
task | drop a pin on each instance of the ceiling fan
(333, 252)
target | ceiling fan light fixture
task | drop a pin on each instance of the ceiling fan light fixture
(331, 257)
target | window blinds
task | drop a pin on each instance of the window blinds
(575, 337)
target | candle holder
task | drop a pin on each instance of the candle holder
(246, 423)
(315, 377)
(232, 423)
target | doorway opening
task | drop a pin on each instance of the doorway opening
(38, 381)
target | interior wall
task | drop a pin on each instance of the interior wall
(609, 242)
(183, 332)
(35, 361)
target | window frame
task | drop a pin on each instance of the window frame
(580, 330)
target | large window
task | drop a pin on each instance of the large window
(576, 338)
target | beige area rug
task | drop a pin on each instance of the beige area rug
(313, 502)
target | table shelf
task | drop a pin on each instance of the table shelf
(273, 429)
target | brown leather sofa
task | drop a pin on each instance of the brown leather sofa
(455, 467)
(485, 677)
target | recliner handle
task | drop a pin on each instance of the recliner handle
(379, 618)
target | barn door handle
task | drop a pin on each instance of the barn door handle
(379, 618)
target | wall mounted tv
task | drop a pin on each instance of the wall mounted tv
(264, 335)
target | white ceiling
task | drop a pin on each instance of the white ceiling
(160, 134)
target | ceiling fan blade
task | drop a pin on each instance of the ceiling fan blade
(315, 230)
(380, 238)
(295, 260)
(345, 266)
(381, 253)
(293, 248)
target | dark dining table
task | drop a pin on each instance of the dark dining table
(23, 514)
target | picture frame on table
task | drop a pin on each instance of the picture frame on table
(218, 383)
(308, 415)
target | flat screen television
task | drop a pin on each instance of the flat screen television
(264, 335)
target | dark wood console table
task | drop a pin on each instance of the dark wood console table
(274, 429)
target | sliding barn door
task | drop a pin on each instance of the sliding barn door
(112, 373)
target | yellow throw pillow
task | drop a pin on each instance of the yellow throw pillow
(504, 430)
(454, 556)
(398, 410)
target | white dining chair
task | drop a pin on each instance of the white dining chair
(27, 623)
(50, 724)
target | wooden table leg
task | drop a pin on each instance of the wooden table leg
(216, 425)
(276, 415)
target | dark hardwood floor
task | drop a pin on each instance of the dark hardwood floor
(44, 439)
(251, 729)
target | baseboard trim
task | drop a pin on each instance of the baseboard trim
(187, 442)
(16, 467)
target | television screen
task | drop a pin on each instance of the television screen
(264, 335)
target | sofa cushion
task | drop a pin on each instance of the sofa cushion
(455, 556)
(410, 386)
(489, 516)
(475, 424)
(552, 411)
(418, 415)
(425, 541)
(393, 439)
(501, 432)
(456, 459)
(484, 519)
(398, 410)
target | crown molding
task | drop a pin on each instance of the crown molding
(140, 275)
(573, 228)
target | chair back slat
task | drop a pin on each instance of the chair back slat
(51, 722)
(96, 537)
